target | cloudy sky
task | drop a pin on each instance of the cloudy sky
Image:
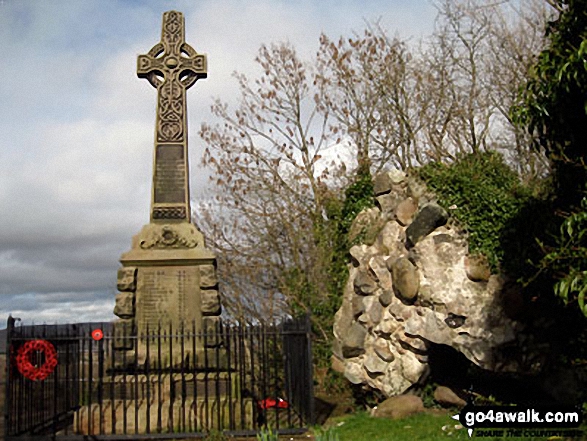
(76, 126)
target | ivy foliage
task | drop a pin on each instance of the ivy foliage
(485, 196)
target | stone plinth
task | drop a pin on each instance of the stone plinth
(167, 283)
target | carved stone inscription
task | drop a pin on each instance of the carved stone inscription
(168, 294)
(170, 173)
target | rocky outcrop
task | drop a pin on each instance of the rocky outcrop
(414, 286)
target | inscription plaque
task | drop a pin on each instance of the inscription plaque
(170, 174)
(168, 295)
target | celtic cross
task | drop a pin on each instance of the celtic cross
(171, 66)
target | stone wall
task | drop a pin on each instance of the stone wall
(414, 284)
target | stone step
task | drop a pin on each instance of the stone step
(170, 417)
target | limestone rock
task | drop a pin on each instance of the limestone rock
(385, 297)
(399, 407)
(382, 350)
(448, 398)
(414, 344)
(353, 343)
(406, 279)
(477, 268)
(405, 211)
(374, 311)
(386, 327)
(430, 217)
(378, 269)
(397, 303)
(391, 238)
(354, 373)
(358, 305)
(384, 182)
(388, 203)
(374, 365)
(364, 284)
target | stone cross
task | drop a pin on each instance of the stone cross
(169, 276)
(171, 66)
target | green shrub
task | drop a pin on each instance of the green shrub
(486, 197)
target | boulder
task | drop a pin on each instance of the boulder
(391, 238)
(405, 211)
(406, 279)
(364, 284)
(384, 182)
(374, 311)
(385, 297)
(446, 397)
(366, 223)
(416, 188)
(358, 305)
(353, 342)
(354, 372)
(399, 407)
(430, 217)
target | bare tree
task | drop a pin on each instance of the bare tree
(267, 164)
(481, 52)
(368, 85)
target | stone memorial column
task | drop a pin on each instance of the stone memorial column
(168, 278)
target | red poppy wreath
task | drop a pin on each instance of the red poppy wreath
(25, 365)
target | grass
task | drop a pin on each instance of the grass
(362, 427)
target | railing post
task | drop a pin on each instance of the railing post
(8, 371)
(310, 373)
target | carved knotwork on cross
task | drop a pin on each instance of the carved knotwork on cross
(171, 66)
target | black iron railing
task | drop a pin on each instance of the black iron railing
(236, 378)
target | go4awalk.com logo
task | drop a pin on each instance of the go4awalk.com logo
(520, 421)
